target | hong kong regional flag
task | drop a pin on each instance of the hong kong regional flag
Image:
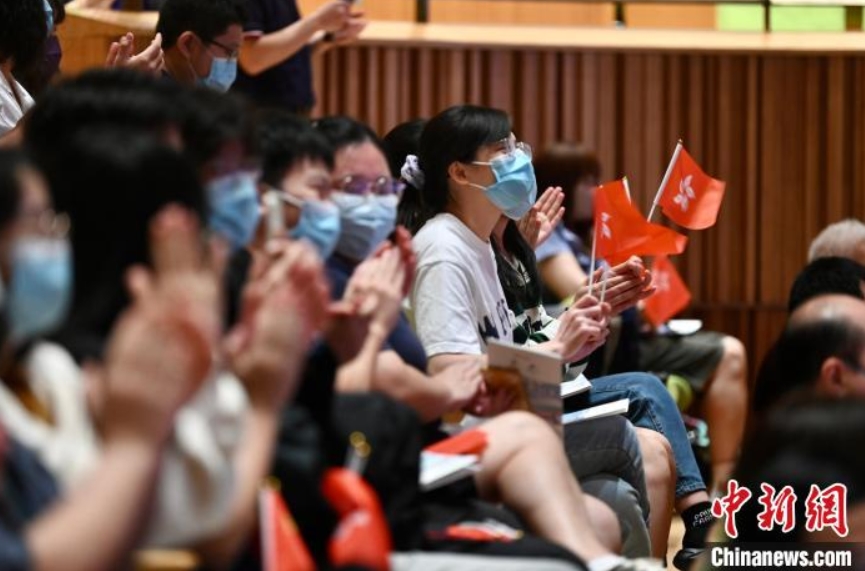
(671, 296)
(691, 198)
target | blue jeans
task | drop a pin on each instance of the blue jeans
(651, 407)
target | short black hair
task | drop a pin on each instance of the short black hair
(23, 32)
(284, 140)
(117, 98)
(832, 275)
(211, 119)
(342, 131)
(793, 364)
(206, 18)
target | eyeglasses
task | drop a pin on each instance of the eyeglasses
(287, 198)
(510, 147)
(361, 185)
(47, 223)
(232, 53)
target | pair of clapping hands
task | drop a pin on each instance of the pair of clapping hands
(122, 54)
(584, 326)
(627, 283)
(169, 339)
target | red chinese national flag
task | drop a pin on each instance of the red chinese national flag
(362, 537)
(473, 441)
(672, 295)
(282, 546)
(622, 232)
(691, 198)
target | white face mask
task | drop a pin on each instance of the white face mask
(366, 222)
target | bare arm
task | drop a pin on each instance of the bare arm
(260, 53)
(103, 4)
(562, 274)
(431, 397)
(107, 506)
(440, 362)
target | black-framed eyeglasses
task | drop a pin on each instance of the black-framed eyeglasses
(361, 185)
(232, 53)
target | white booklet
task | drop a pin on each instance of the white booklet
(575, 386)
(437, 470)
(541, 373)
(600, 411)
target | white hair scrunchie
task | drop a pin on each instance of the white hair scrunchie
(411, 172)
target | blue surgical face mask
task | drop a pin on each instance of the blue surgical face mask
(234, 210)
(223, 72)
(515, 189)
(366, 222)
(41, 286)
(319, 223)
(49, 16)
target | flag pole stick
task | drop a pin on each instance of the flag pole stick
(666, 179)
(627, 188)
(594, 252)
(604, 283)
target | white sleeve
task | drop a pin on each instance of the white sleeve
(443, 308)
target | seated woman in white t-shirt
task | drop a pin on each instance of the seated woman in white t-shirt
(474, 172)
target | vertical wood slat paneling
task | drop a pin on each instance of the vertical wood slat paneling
(784, 131)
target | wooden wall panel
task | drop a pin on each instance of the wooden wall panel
(784, 131)
(674, 15)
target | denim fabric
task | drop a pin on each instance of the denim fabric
(651, 407)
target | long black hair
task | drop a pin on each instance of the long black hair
(115, 181)
(454, 135)
(522, 288)
(400, 142)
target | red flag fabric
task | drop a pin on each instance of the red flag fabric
(362, 537)
(472, 441)
(691, 198)
(622, 232)
(672, 295)
(282, 547)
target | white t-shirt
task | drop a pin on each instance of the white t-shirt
(10, 111)
(457, 301)
(196, 481)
